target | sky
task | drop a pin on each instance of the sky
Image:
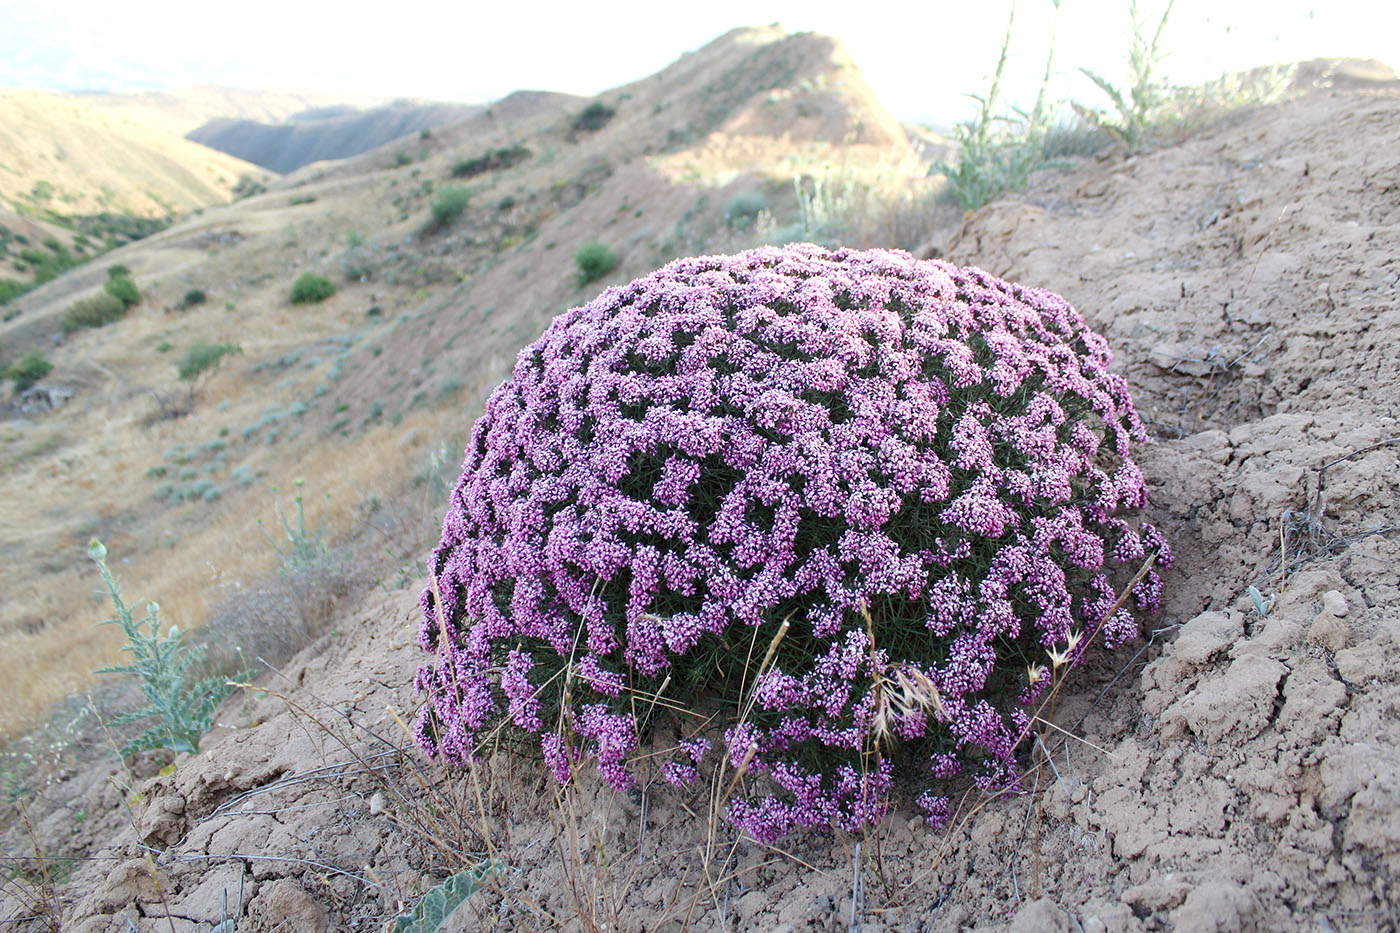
(921, 58)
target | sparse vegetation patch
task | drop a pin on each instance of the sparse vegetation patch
(27, 370)
(98, 311)
(491, 161)
(594, 117)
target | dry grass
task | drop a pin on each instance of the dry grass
(105, 164)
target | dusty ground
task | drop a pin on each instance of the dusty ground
(1239, 770)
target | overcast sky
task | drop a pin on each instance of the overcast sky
(920, 57)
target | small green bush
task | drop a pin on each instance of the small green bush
(194, 296)
(10, 290)
(27, 371)
(98, 311)
(202, 357)
(594, 261)
(594, 117)
(122, 288)
(118, 271)
(450, 202)
(310, 289)
(490, 161)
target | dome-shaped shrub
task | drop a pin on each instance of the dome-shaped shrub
(837, 505)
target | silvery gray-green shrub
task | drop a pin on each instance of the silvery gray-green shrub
(166, 666)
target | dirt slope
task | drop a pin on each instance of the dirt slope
(1237, 772)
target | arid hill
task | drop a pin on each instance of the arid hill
(1234, 770)
(68, 157)
(361, 393)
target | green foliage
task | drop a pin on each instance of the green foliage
(594, 117)
(118, 271)
(1139, 108)
(165, 666)
(450, 202)
(98, 311)
(122, 288)
(246, 187)
(202, 357)
(402, 159)
(194, 296)
(311, 288)
(998, 152)
(10, 289)
(28, 370)
(47, 264)
(436, 906)
(490, 161)
(594, 260)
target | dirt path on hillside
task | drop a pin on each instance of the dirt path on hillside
(1240, 770)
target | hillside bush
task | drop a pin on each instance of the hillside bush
(594, 117)
(10, 290)
(27, 370)
(594, 260)
(311, 288)
(834, 510)
(204, 357)
(450, 202)
(744, 208)
(98, 311)
(491, 161)
(194, 296)
(122, 288)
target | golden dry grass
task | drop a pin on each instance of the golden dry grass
(95, 162)
(455, 307)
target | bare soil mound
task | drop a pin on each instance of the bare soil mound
(1240, 770)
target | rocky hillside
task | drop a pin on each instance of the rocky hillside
(1234, 770)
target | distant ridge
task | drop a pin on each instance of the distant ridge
(324, 133)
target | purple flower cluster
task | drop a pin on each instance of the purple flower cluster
(918, 466)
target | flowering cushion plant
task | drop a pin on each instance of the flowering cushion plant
(840, 505)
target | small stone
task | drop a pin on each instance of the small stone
(378, 804)
(1335, 603)
(1328, 631)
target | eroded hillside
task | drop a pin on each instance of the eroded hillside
(1234, 770)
